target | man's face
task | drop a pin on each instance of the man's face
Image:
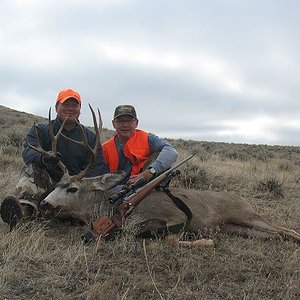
(125, 126)
(69, 108)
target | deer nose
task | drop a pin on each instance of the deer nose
(44, 206)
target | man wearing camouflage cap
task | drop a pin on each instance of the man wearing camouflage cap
(130, 148)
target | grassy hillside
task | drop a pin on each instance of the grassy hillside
(45, 259)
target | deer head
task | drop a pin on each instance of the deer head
(76, 198)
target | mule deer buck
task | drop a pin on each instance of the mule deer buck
(81, 198)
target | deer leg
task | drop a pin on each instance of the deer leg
(159, 228)
(261, 224)
(202, 243)
(287, 232)
(152, 228)
(246, 231)
(260, 227)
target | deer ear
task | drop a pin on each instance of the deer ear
(107, 181)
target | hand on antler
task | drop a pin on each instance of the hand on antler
(51, 162)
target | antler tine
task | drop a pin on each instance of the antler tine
(38, 146)
(54, 138)
(96, 147)
(97, 128)
(51, 134)
(84, 141)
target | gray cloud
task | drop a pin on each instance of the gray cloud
(206, 70)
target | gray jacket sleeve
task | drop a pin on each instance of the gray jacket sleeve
(167, 154)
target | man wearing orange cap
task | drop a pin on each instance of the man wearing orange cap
(42, 172)
(73, 156)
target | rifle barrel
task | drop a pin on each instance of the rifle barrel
(173, 168)
(142, 192)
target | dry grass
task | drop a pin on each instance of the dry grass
(47, 260)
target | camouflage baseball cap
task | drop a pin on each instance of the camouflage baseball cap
(123, 110)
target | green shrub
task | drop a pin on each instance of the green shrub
(16, 138)
(3, 120)
(11, 150)
(237, 155)
(272, 186)
(192, 177)
(286, 165)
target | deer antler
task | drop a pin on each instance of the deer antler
(54, 138)
(85, 143)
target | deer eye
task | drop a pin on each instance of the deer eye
(72, 190)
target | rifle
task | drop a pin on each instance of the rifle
(131, 197)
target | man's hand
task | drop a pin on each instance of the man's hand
(51, 162)
(145, 174)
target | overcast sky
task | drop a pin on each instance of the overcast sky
(212, 70)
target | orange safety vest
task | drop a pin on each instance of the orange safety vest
(136, 149)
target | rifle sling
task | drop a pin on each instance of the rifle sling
(183, 207)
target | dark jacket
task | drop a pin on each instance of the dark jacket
(75, 157)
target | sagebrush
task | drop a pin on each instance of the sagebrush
(45, 259)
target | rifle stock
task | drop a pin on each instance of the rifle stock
(104, 225)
